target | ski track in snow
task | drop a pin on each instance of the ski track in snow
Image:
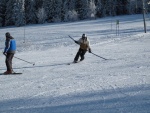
(118, 85)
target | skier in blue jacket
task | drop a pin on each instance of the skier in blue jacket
(9, 51)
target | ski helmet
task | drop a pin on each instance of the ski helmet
(7, 34)
(84, 36)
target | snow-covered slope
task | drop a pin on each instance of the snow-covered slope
(118, 85)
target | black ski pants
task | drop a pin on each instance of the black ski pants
(8, 61)
(81, 53)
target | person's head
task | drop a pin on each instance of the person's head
(84, 36)
(7, 35)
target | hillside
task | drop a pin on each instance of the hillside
(118, 85)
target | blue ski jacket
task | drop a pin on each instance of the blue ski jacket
(10, 45)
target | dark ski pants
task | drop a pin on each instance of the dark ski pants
(81, 53)
(8, 61)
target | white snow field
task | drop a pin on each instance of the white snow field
(118, 85)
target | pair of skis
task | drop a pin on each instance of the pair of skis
(73, 63)
(15, 73)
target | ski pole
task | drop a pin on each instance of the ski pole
(71, 37)
(99, 56)
(25, 60)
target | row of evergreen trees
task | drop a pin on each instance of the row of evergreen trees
(22, 12)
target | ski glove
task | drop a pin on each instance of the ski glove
(76, 42)
(90, 50)
(5, 53)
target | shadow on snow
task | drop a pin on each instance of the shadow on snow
(121, 100)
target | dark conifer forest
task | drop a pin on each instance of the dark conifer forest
(23, 12)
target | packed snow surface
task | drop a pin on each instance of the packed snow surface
(120, 84)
